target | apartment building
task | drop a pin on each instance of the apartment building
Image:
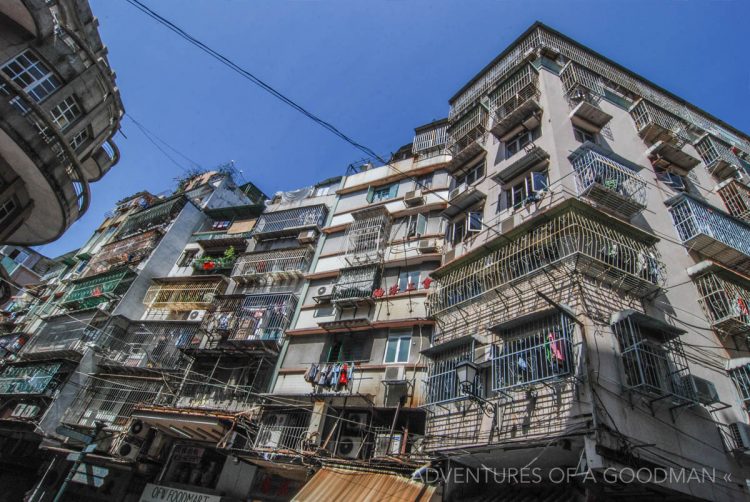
(82, 326)
(59, 110)
(590, 312)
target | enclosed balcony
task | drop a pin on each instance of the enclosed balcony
(158, 215)
(221, 240)
(711, 232)
(462, 198)
(182, 294)
(466, 132)
(250, 321)
(572, 235)
(150, 345)
(721, 159)
(515, 103)
(610, 185)
(724, 297)
(367, 236)
(11, 343)
(67, 335)
(656, 124)
(290, 222)
(355, 286)
(270, 266)
(736, 197)
(670, 157)
(41, 379)
(91, 291)
(431, 139)
(128, 251)
(583, 90)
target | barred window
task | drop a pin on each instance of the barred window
(741, 378)
(442, 382)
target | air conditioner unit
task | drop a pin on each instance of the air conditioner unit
(741, 435)
(276, 420)
(387, 444)
(356, 421)
(126, 449)
(458, 191)
(394, 374)
(323, 294)
(413, 198)
(196, 315)
(427, 246)
(137, 429)
(307, 237)
(270, 432)
(705, 391)
(449, 256)
(349, 447)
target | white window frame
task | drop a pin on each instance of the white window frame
(400, 339)
(408, 276)
(79, 139)
(416, 225)
(527, 185)
(520, 141)
(65, 112)
(472, 175)
(31, 75)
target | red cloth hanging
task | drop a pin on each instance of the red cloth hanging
(344, 374)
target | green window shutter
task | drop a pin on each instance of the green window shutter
(394, 191)
(370, 194)
(421, 224)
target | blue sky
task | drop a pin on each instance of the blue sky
(375, 69)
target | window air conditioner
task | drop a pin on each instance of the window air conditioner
(196, 315)
(356, 421)
(413, 198)
(457, 191)
(307, 237)
(704, 391)
(387, 444)
(394, 374)
(741, 435)
(427, 246)
(323, 294)
(349, 447)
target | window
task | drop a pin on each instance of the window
(474, 221)
(7, 208)
(19, 256)
(424, 182)
(80, 138)
(468, 224)
(347, 348)
(442, 383)
(472, 175)
(397, 348)
(322, 190)
(65, 113)
(528, 189)
(408, 280)
(673, 180)
(377, 194)
(458, 232)
(521, 140)
(187, 258)
(741, 378)
(221, 225)
(33, 76)
(582, 135)
(416, 225)
(81, 265)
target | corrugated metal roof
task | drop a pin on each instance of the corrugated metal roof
(330, 484)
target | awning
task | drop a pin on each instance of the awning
(197, 425)
(647, 321)
(331, 484)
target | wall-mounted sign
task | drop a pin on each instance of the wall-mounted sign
(156, 493)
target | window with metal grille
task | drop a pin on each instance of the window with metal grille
(537, 350)
(741, 378)
(442, 382)
(33, 76)
(65, 113)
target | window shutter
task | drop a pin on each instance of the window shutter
(393, 191)
(370, 194)
(421, 224)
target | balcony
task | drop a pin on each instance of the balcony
(270, 266)
(214, 264)
(431, 140)
(533, 156)
(572, 234)
(655, 124)
(150, 345)
(367, 236)
(724, 297)
(215, 241)
(721, 159)
(515, 103)
(91, 291)
(670, 157)
(461, 198)
(736, 197)
(11, 343)
(31, 379)
(355, 286)
(250, 321)
(465, 134)
(583, 90)
(128, 251)
(66, 336)
(182, 294)
(158, 215)
(607, 183)
(290, 222)
(711, 232)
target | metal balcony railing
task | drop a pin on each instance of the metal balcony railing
(92, 290)
(280, 437)
(251, 318)
(68, 332)
(111, 399)
(211, 264)
(725, 300)
(431, 139)
(736, 197)
(534, 352)
(157, 215)
(609, 184)
(514, 100)
(367, 236)
(152, 344)
(581, 84)
(290, 221)
(592, 245)
(442, 383)
(656, 124)
(181, 294)
(355, 284)
(711, 232)
(39, 379)
(741, 378)
(125, 251)
(281, 263)
(720, 158)
(466, 130)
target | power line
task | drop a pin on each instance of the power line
(150, 135)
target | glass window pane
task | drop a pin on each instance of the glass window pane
(390, 350)
(403, 349)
